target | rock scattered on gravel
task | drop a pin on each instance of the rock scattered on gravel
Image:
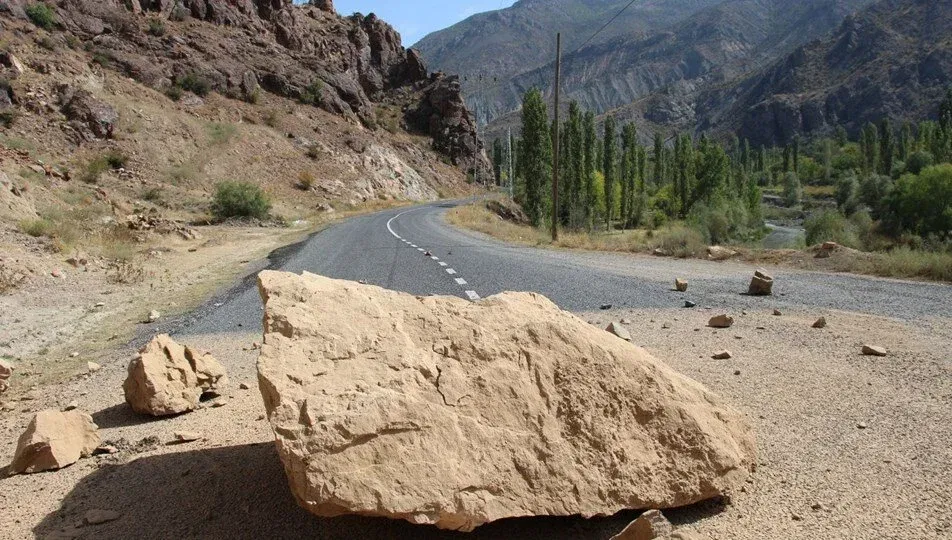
(720, 253)
(54, 440)
(649, 526)
(167, 378)
(721, 321)
(777, 313)
(619, 330)
(689, 304)
(154, 316)
(681, 285)
(761, 284)
(186, 436)
(6, 371)
(445, 380)
(72, 405)
(92, 367)
(874, 350)
(244, 386)
(98, 517)
(820, 323)
(722, 355)
(606, 307)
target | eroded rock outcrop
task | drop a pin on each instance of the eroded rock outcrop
(167, 378)
(54, 440)
(6, 371)
(441, 411)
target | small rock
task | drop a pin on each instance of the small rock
(665, 326)
(106, 449)
(100, 304)
(761, 284)
(681, 285)
(817, 506)
(618, 330)
(57, 273)
(244, 386)
(689, 304)
(73, 354)
(874, 350)
(186, 436)
(761, 328)
(737, 372)
(777, 313)
(98, 517)
(606, 307)
(71, 406)
(796, 517)
(92, 367)
(861, 425)
(219, 403)
(820, 323)
(721, 321)
(626, 321)
(722, 355)
(650, 525)
(154, 316)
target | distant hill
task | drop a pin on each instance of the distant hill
(893, 59)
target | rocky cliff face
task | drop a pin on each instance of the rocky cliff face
(241, 47)
(893, 59)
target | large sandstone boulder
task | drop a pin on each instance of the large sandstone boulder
(167, 378)
(54, 440)
(442, 411)
(761, 284)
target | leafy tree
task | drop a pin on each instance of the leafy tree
(240, 199)
(869, 148)
(792, 190)
(591, 142)
(841, 136)
(658, 159)
(608, 168)
(796, 154)
(712, 170)
(497, 161)
(847, 190)
(576, 169)
(917, 161)
(629, 172)
(536, 153)
(922, 204)
(887, 150)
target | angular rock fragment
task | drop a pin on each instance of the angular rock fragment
(680, 285)
(649, 526)
(619, 330)
(820, 323)
(6, 371)
(54, 440)
(442, 411)
(167, 378)
(761, 284)
(722, 355)
(874, 350)
(721, 321)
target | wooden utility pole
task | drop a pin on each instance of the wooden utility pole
(555, 140)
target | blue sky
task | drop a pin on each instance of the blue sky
(417, 18)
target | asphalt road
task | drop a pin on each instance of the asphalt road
(414, 250)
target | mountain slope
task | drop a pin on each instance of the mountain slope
(495, 46)
(893, 59)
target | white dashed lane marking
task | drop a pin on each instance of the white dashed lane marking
(472, 295)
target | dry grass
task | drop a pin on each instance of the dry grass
(675, 240)
(901, 262)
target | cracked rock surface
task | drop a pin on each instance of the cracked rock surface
(441, 411)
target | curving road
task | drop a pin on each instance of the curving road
(416, 251)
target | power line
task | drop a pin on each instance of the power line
(606, 25)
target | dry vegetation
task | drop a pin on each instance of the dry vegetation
(683, 242)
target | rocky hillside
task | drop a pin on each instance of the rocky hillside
(490, 49)
(893, 59)
(697, 45)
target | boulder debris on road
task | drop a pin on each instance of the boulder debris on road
(167, 378)
(680, 285)
(761, 284)
(721, 321)
(820, 323)
(6, 371)
(476, 412)
(649, 526)
(874, 350)
(619, 330)
(54, 440)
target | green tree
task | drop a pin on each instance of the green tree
(629, 172)
(497, 161)
(796, 154)
(792, 190)
(922, 204)
(536, 152)
(887, 150)
(611, 150)
(827, 161)
(712, 170)
(576, 170)
(658, 159)
(869, 148)
(591, 143)
(841, 136)
(906, 141)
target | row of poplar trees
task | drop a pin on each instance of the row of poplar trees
(609, 179)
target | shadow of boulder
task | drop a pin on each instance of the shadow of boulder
(241, 492)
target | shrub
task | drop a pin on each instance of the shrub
(919, 161)
(313, 94)
(93, 170)
(221, 133)
(305, 181)
(195, 84)
(154, 195)
(313, 152)
(48, 43)
(679, 241)
(156, 27)
(37, 227)
(874, 190)
(116, 159)
(102, 59)
(847, 189)
(829, 226)
(179, 13)
(7, 118)
(240, 199)
(174, 93)
(922, 204)
(41, 15)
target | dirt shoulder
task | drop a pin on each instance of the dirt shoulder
(505, 222)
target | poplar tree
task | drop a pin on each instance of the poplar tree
(591, 142)
(608, 168)
(658, 159)
(497, 161)
(629, 172)
(577, 169)
(536, 153)
(887, 150)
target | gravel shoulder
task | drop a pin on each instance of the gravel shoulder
(806, 391)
